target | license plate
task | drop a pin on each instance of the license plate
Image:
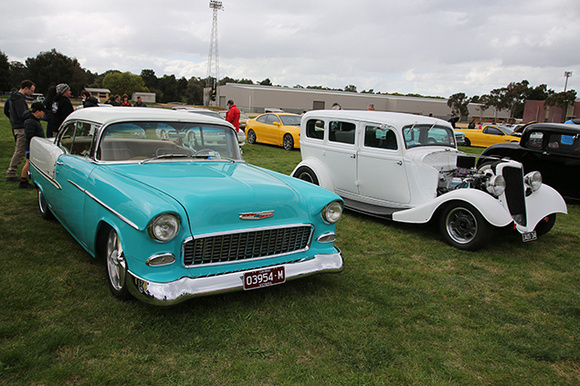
(264, 278)
(529, 236)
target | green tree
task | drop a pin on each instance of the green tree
(458, 103)
(562, 99)
(124, 83)
(51, 67)
(149, 78)
(5, 80)
(350, 88)
(194, 92)
(266, 82)
(17, 73)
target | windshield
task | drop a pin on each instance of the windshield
(290, 120)
(428, 135)
(134, 141)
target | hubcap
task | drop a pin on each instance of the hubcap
(461, 225)
(116, 264)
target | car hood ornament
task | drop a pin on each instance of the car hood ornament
(256, 215)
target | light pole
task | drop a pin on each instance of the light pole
(567, 74)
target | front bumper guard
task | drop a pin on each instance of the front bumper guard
(166, 294)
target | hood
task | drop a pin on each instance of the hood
(214, 194)
(16, 95)
(438, 157)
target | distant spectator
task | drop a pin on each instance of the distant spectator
(50, 107)
(88, 100)
(139, 103)
(16, 109)
(233, 115)
(125, 101)
(471, 124)
(371, 107)
(336, 106)
(64, 106)
(32, 128)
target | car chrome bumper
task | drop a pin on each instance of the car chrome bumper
(165, 294)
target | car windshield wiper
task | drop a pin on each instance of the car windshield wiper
(171, 155)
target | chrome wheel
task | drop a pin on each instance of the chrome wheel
(288, 142)
(463, 227)
(43, 206)
(116, 265)
(251, 136)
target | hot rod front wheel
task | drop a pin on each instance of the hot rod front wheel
(116, 266)
(463, 227)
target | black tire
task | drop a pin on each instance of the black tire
(251, 137)
(116, 265)
(43, 206)
(288, 142)
(463, 227)
(545, 225)
(467, 142)
(304, 173)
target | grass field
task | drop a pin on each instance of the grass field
(407, 309)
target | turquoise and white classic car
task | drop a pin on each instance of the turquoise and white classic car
(165, 197)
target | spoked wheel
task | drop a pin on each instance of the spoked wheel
(304, 173)
(288, 142)
(43, 206)
(251, 137)
(116, 266)
(463, 227)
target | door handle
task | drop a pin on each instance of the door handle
(400, 163)
(353, 156)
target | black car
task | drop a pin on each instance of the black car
(551, 148)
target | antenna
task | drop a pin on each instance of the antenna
(213, 57)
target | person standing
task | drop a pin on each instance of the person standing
(16, 109)
(32, 128)
(233, 115)
(50, 107)
(88, 100)
(139, 103)
(64, 106)
(125, 101)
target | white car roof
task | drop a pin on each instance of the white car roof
(106, 115)
(395, 119)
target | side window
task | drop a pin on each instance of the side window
(271, 118)
(535, 140)
(381, 137)
(343, 132)
(492, 131)
(564, 143)
(315, 129)
(77, 138)
(262, 118)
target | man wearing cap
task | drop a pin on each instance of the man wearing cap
(32, 128)
(64, 106)
(16, 109)
(233, 115)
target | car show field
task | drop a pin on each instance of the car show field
(406, 309)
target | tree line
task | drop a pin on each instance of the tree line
(51, 67)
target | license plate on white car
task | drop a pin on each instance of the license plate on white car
(529, 236)
(264, 278)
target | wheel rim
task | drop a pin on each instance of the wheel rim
(116, 264)
(305, 176)
(461, 225)
(251, 136)
(42, 202)
(288, 142)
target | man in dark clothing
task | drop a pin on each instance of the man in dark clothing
(64, 106)
(16, 109)
(233, 115)
(32, 128)
(88, 100)
(139, 103)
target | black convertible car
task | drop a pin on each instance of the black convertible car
(551, 148)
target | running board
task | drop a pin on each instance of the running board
(370, 209)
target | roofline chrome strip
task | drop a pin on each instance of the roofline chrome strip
(129, 222)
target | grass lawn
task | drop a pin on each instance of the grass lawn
(407, 309)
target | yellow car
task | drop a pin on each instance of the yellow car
(488, 135)
(280, 129)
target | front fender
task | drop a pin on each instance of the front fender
(489, 207)
(319, 169)
(541, 203)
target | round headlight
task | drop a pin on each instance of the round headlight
(332, 212)
(164, 227)
(533, 180)
(496, 185)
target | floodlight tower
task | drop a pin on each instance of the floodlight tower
(567, 74)
(213, 57)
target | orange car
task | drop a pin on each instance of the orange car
(280, 129)
(488, 135)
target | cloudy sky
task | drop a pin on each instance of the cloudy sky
(428, 47)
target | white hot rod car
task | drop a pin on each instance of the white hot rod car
(407, 168)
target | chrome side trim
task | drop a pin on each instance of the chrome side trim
(46, 176)
(166, 294)
(125, 219)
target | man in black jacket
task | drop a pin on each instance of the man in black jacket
(32, 128)
(65, 107)
(16, 109)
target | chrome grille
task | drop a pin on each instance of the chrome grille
(515, 194)
(221, 248)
